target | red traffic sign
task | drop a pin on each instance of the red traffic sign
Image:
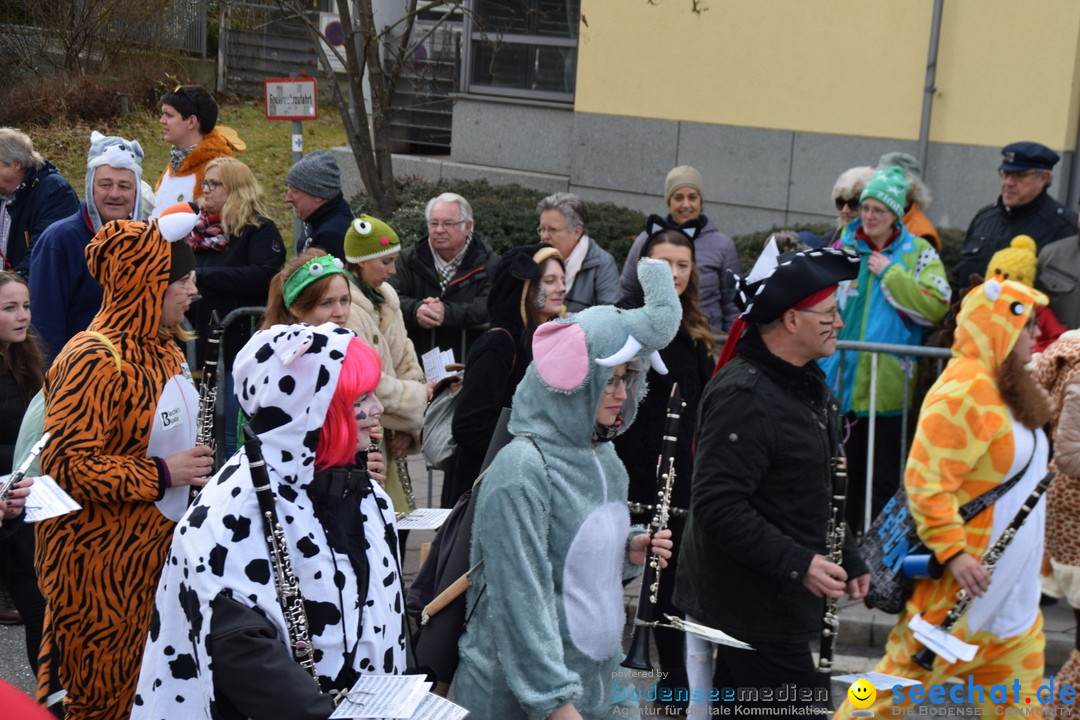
(291, 98)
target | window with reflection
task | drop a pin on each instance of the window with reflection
(523, 48)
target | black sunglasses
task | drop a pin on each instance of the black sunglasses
(853, 203)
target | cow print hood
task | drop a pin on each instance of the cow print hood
(285, 377)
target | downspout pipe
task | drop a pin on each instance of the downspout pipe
(1070, 194)
(929, 88)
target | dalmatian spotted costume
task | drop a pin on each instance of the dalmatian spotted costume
(218, 588)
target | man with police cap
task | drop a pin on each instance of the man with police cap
(754, 554)
(1023, 208)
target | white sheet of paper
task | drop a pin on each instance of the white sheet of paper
(947, 646)
(880, 681)
(433, 707)
(424, 519)
(47, 500)
(435, 362)
(383, 696)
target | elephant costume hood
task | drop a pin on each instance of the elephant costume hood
(573, 359)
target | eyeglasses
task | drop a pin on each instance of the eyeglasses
(211, 184)
(542, 230)
(852, 203)
(827, 318)
(436, 224)
(1018, 174)
(875, 211)
(616, 380)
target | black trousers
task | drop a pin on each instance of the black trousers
(771, 676)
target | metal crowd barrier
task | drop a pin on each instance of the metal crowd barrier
(907, 355)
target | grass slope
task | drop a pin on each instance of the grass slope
(268, 154)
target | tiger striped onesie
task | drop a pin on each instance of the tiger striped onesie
(968, 442)
(109, 415)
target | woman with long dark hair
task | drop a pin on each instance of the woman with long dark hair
(689, 364)
(527, 290)
(21, 377)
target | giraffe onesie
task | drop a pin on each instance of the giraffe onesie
(969, 441)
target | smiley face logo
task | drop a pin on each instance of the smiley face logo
(861, 693)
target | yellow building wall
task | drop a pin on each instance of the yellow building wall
(1007, 70)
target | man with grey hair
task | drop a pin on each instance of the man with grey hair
(33, 195)
(443, 283)
(592, 277)
(64, 296)
(1024, 207)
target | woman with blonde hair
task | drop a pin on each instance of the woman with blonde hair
(238, 249)
(845, 194)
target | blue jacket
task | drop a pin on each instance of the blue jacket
(42, 198)
(63, 296)
(896, 306)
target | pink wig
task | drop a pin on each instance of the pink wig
(360, 373)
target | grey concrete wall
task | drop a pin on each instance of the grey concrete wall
(754, 179)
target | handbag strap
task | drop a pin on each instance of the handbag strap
(975, 506)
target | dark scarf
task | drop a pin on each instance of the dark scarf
(371, 294)
(607, 433)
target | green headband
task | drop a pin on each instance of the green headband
(314, 269)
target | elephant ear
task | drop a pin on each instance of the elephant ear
(561, 355)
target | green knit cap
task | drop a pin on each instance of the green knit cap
(369, 238)
(889, 188)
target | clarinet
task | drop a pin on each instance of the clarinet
(990, 559)
(288, 587)
(204, 423)
(404, 477)
(834, 549)
(15, 477)
(637, 656)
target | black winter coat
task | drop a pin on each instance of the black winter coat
(464, 300)
(760, 499)
(326, 227)
(238, 276)
(994, 227)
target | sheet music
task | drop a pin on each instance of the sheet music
(433, 707)
(435, 361)
(47, 500)
(424, 519)
(403, 697)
